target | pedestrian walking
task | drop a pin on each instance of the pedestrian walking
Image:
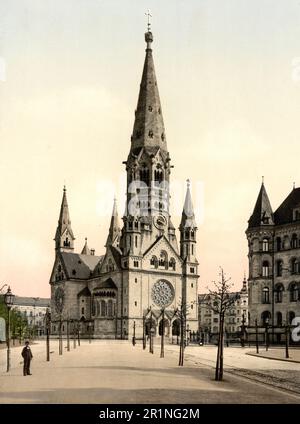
(27, 355)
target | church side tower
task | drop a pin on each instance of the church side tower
(113, 238)
(188, 241)
(64, 237)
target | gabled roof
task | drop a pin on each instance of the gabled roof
(284, 214)
(80, 266)
(163, 237)
(84, 292)
(107, 284)
(262, 210)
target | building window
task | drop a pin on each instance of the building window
(136, 240)
(278, 243)
(279, 319)
(278, 293)
(265, 245)
(265, 317)
(110, 308)
(266, 295)
(135, 280)
(294, 241)
(154, 261)
(279, 268)
(135, 303)
(103, 308)
(265, 269)
(192, 270)
(82, 311)
(136, 264)
(294, 292)
(291, 316)
(294, 266)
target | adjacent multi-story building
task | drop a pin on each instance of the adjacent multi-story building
(143, 270)
(235, 316)
(34, 310)
(274, 260)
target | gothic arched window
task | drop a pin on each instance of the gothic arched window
(103, 308)
(279, 264)
(265, 245)
(265, 269)
(294, 292)
(294, 241)
(278, 292)
(266, 295)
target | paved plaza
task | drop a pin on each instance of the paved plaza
(117, 372)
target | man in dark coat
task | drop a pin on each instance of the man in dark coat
(27, 355)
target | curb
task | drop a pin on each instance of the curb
(274, 359)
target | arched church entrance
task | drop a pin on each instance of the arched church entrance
(166, 327)
(176, 328)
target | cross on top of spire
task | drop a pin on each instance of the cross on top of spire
(148, 14)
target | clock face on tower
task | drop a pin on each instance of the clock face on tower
(160, 222)
(59, 299)
(162, 293)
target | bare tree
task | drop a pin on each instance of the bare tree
(220, 300)
(182, 312)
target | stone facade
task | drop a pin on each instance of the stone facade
(143, 270)
(274, 260)
(209, 320)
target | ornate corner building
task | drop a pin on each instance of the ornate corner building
(143, 271)
(274, 260)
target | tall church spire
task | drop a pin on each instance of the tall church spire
(64, 237)
(148, 129)
(262, 213)
(114, 228)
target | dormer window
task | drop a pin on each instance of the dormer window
(296, 214)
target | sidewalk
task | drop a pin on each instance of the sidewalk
(116, 372)
(278, 354)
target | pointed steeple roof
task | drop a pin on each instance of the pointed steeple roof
(85, 250)
(188, 216)
(64, 221)
(262, 213)
(114, 228)
(148, 129)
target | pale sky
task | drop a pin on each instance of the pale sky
(229, 80)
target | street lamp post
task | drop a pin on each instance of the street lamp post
(287, 340)
(90, 332)
(144, 336)
(68, 334)
(60, 342)
(243, 331)
(78, 333)
(48, 324)
(151, 339)
(256, 336)
(267, 334)
(9, 301)
(133, 337)
(162, 350)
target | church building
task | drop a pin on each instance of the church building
(143, 276)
